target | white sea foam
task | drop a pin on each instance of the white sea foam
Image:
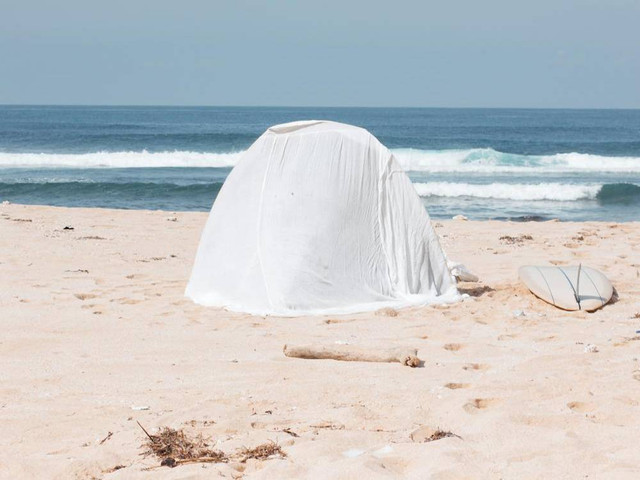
(487, 160)
(142, 159)
(563, 192)
(477, 160)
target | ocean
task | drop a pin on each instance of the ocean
(518, 164)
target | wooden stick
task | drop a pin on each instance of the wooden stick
(349, 353)
(146, 433)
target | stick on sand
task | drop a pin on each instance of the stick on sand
(349, 353)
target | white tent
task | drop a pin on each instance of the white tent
(318, 217)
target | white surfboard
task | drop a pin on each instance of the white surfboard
(561, 287)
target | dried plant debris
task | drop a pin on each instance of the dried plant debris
(175, 447)
(262, 452)
(439, 434)
(519, 240)
(115, 468)
(427, 434)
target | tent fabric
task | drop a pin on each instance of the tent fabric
(318, 218)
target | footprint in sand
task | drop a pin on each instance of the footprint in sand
(456, 386)
(626, 341)
(558, 262)
(452, 347)
(126, 301)
(134, 275)
(477, 404)
(636, 375)
(582, 407)
(84, 296)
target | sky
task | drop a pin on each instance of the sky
(405, 53)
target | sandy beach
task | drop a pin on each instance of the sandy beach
(97, 335)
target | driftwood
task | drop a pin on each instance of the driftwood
(349, 353)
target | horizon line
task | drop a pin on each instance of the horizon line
(114, 105)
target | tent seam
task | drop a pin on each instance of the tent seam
(259, 229)
(381, 180)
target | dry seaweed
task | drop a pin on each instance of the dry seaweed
(439, 434)
(520, 239)
(261, 452)
(174, 447)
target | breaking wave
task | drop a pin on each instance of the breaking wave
(487, 160)
(142, 159)
(480, 160)
(560, 192)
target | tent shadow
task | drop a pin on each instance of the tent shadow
(476, 291)
(614, 297)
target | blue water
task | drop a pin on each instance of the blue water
(483, 163)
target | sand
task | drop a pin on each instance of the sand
(96, 335)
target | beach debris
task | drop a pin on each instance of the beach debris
(139, 407)
(590, 348)
(328, 426)
(174, 447)
(91, 237)
(349, 353)
(261, 452)
(172, 219)
(290, 432)
(426, 434)
(27, 220)
(6, 202)
(68, 228)
(109, 435)
(519, 313)
(519, 240)
(115, 468)
(386, 312)
(459, 217)
(462, 273)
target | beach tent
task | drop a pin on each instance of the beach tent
(318, 217)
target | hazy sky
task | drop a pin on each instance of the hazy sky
(445, 53)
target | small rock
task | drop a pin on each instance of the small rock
(459, 217)
(519, 313)
(590, 348)
(172, 219)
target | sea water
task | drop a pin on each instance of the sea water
(484, 163)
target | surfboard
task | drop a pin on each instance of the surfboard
(561, 287)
